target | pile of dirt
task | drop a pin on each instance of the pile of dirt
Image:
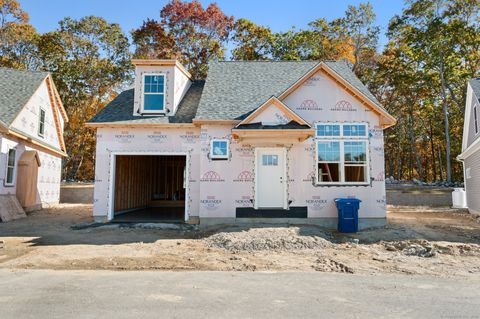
(425, 248)
(329, 265)
(275, 239)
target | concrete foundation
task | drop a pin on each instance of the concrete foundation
(76, 193)
(331, 223)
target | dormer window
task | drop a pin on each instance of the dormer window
(153, 93)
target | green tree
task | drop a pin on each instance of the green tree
(252, 42)
(152, 41)
(433, 50)
(357, 27)
(89, 59)
(17, 37)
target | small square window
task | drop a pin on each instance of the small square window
(219, 149)
(270, 160)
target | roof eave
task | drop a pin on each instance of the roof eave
(120, 124)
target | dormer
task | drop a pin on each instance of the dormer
(160, 85)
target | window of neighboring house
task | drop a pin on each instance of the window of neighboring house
(475, 118)
(10, 176)
(342, 153)
(219, 149)
(41, 123)
(154, 93)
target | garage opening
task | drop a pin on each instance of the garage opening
(149, 188)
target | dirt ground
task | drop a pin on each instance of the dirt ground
(436, 242)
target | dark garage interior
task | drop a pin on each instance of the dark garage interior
(149, 188)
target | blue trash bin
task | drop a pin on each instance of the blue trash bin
(347, 214)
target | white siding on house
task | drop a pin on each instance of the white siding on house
(49, 173)
(27, 120)
(472, 99)
(472, 182)
(27, 123)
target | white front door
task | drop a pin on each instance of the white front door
(270, 178)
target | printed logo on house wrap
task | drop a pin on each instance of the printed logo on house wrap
(312, 81)
(124, 137)
(245, 201)
(245, 176)
(309, 105)
(378, 149)
(244, 151)
(190, 137)
(343, 106)
(380, 177)
(157, 137)
(281, 118)
(309, 177)
(310, 149)
(316, 203)
(211, 176)
(203, 135)
(211, 203)
(382, 202)
(376, 132)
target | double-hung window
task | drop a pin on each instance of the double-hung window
(41, 122)
(342, 153)
(10, 174)
(219, 149)
(154, 93)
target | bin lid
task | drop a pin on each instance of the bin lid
(347, 200)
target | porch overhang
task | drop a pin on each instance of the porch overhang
(271, 137)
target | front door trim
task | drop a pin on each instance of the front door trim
(285, 181)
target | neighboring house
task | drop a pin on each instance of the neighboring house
(31, 138)
(255, 139)
(471, 146)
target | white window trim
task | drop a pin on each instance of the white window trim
(328, 123)
(475, 119)
(343, 139)
(341, 124)
(40, 121)
(143, 111)
(213, 156)
(14, 168)
(355, 137)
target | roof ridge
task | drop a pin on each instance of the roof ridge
(23, 70)
(265, 61)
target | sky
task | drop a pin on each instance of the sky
(279, 15)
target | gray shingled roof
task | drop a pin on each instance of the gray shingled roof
(475, 84)
(234, 89)
(120, 110)
(16, 88)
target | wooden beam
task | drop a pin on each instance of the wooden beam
(58, 126)
(32, 143)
